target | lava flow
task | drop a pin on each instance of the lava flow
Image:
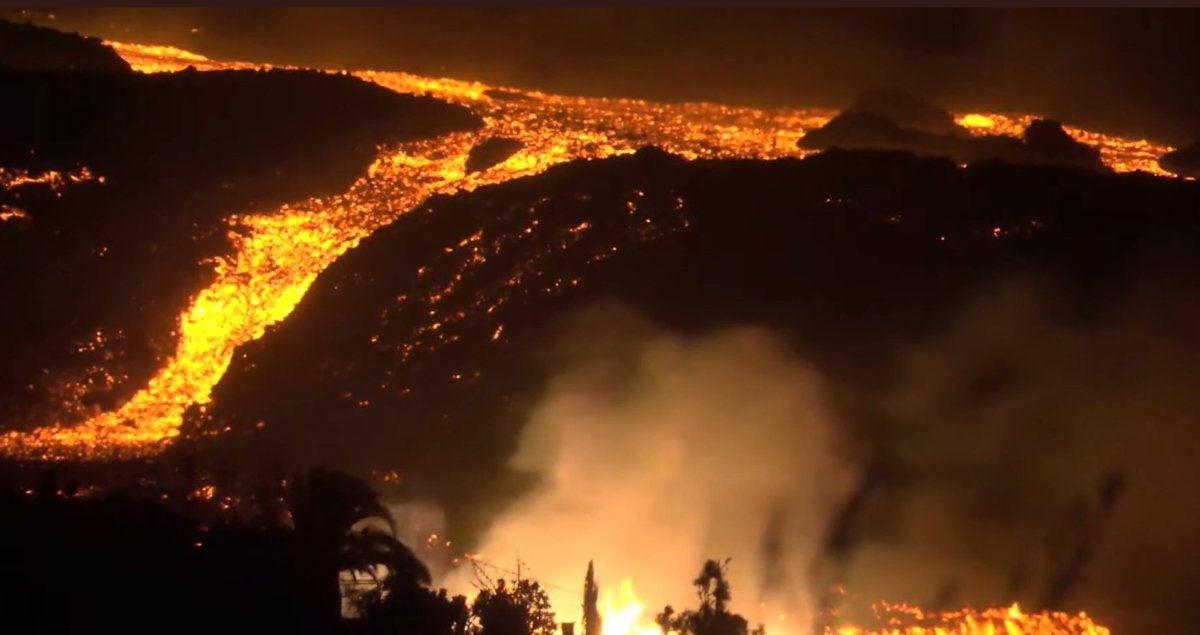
(278, 255)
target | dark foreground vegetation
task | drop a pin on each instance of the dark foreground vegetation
(76, 562)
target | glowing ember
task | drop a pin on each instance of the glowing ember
(13, 179)
(278, 255)
(7, 213)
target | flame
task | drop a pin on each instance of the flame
(277, 256)
(622, 613)
(902, 619)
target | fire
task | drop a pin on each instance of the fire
(278, 255)
(623, 613)
(902, 619)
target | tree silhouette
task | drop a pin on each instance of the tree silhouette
(713, 616)
(522, 608)
(592, 625)
(401, 608)
(325, 506)
(666, 620)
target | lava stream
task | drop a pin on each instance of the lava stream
(278, 255)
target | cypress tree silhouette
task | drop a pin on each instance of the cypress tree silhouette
(592, 624)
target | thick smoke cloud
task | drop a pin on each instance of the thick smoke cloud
(656, 452)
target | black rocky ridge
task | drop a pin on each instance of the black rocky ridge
(894, 120)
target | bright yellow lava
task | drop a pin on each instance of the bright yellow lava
(278, 255)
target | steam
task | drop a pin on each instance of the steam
(657, 451)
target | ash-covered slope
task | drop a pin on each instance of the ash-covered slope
(104, 268)
(417, 350)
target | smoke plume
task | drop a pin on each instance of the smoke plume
(657, 451)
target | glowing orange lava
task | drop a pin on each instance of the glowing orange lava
(53, 179)
(278, 255)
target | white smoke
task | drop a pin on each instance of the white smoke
(657, 452)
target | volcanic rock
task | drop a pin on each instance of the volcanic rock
(491, 152)
(1046, 142)
(1184, 161)
(907, 111)
(244, 125)
(890, 120)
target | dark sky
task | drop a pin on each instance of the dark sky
(1131, 71)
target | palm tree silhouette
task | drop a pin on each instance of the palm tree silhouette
(325, 508)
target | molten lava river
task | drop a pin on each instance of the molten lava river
(277, 256)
